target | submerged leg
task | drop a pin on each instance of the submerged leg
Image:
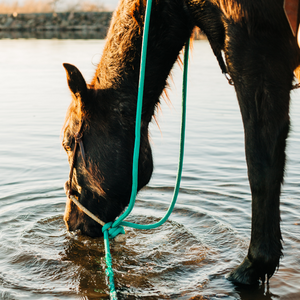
(260, 65)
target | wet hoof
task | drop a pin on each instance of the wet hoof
(249, 272)
(244, 274)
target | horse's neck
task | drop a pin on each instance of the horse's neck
(170, 27)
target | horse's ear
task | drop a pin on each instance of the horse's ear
(76, 82)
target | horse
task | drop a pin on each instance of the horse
(254, 46)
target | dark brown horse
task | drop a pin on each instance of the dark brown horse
(261, 54)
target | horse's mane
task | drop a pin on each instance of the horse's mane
(121, 47)
(118, 45)
(239, 10)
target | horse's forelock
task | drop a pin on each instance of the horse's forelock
(75, 111)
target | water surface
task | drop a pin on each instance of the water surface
(207, 235)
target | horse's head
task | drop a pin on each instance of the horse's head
(101, 176)
(102, 180)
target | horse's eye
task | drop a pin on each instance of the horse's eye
(66, 147)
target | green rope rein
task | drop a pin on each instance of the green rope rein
(112, 229)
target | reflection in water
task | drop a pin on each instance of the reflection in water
(146, 265)
(206, 236)
(259, 292)
(143, 265)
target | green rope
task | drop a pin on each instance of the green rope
(136, 151)
(109, 271)
(110, 230)
(181, 154)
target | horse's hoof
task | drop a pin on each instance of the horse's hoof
(250, 272)
(244, 274)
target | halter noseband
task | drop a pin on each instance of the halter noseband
(78, 140)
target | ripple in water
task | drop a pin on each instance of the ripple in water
(206, 236)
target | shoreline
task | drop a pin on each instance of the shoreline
(56, 25)
(63, 25)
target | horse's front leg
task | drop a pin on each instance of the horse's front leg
(261, 68)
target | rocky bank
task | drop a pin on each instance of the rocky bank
(56, 24)
(91, 25)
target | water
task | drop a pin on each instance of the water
(206, 236)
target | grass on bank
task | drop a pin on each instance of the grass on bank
(48, 6)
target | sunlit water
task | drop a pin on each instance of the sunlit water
(206, 236)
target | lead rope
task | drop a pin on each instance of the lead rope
(111, 229)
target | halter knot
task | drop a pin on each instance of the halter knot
(113, 231)
(78, 136)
